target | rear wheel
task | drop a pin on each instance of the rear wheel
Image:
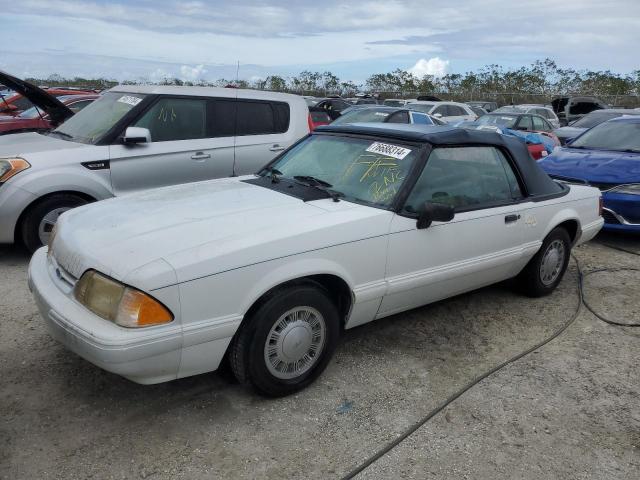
(39, 220)
(545, 270)
(287, 342)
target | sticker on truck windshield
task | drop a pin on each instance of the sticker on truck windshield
(129, 100)
(388, 150)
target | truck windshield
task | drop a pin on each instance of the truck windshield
(96, 119)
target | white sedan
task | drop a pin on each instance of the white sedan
(351, 224)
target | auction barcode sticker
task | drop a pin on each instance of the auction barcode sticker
(128, 99)
(389, 150)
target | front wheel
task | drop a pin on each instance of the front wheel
(39, 220)
(287, 342)
(545, 270)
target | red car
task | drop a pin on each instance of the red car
(34, 119)
(16, 103)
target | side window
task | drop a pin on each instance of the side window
(221, 118)
(539, 124)
(525, 123)
(398, 117)
(465, 178)
(340, 105)
(456, 111)
(175, 119)
(442, 110)
(420, 118)
(259, 118)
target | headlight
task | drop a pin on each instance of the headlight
(630, 189)
(118, 303)
(11, 166)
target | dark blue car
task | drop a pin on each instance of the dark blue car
(608, 157)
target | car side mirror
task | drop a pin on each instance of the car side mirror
(437, 115)
(133, 135)
(434, 212)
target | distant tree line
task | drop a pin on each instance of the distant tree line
(539, 81)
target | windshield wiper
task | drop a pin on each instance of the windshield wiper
(321, 185)
(312, 180)
(62, 134)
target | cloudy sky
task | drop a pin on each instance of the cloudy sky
(131, 39)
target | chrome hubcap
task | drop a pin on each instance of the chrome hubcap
(47, 223)
(295, 342)
(552, 262)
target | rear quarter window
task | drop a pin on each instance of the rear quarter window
(260, 118)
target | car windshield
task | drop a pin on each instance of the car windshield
(615, 135)
(97, 118)
(362, 170)
(596, 118)
(363, 115)
(32, 112)
(505, 121)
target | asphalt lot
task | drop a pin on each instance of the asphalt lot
(571, 409)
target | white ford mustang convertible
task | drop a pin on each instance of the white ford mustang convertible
(351, 224)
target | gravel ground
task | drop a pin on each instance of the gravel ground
(571, 409)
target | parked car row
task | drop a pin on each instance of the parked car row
(36, 120)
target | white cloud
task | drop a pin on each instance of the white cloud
(434, 66)
(192, 73)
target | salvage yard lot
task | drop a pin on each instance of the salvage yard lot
(568, 410)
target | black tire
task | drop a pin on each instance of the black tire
(34, 216)
(247, 350)
(530, 280)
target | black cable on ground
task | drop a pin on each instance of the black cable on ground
(395, 442)
(599, 270)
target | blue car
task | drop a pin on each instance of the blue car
(606, 156)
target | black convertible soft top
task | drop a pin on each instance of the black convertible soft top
(537, 182)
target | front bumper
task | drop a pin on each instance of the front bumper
(149, 355)
(621, 212)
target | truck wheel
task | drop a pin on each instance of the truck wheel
(545, 270)
(287, 342)
(39, 220)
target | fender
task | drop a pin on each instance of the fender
(566, 214)
(286, 272)
(72, 178)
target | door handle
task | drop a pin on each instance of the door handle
(276, 148)
(200, 156)
(511, 218)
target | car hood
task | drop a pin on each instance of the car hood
(22, 144)
(202, 228)
(58, 112)
(597, 166)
